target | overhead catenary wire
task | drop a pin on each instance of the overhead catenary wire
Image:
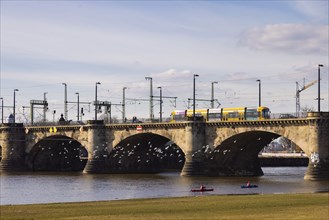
(112, 90)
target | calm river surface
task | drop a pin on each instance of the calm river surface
(33, 188)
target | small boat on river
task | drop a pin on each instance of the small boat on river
(248, 185)
(202, 189)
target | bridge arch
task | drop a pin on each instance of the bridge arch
(57, 153)
(238, 154)
(252, 141)
(297, 134)
(145, 152)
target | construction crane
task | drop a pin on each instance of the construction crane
(298, 91)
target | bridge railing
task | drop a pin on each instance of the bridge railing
(114, 121)
(288, 115)
(48, 123)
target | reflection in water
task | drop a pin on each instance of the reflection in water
(31, 188)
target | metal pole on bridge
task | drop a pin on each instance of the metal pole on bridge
(1, 110)
(160, 103)
(124, 104)
(97, 83)
(78, 107)
(259, 92)
(151, 97)
(319, 109)
(15, 90)
(212, 94)
(195, 75)
(44, 107)
(65, 101)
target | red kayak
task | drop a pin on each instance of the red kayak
(202, 189)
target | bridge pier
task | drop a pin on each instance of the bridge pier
(13, 147)
(317, 171)
(97, 152)
(194, 140)
(318, 167)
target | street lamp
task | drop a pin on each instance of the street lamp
(159, 87)
(124, 104)
(195, 75)
(78, 107)
(319, 110)
(212, 94)
(65, 101)
(15, 90)
(1, 110)
(44, 106)
(97, 83)
(151, 97)
(259, 92)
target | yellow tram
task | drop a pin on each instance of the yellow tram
(223, 114)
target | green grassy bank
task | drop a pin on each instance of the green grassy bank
(283, 206)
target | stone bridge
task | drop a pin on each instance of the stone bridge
(210, 148)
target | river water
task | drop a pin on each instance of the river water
(44, 187)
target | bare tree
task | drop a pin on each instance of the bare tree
(305, 109)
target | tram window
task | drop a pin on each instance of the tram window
(266, 113)
(179, 117)
(233, 115)
(214, 116)
(252, 114)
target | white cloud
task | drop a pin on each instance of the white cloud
(173, 74)
(287, 38)
(121, 46)
(316, 10)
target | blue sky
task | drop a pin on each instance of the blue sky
(119, 43)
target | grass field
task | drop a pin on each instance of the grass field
(282, 206)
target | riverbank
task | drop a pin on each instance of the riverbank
(275, 206)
